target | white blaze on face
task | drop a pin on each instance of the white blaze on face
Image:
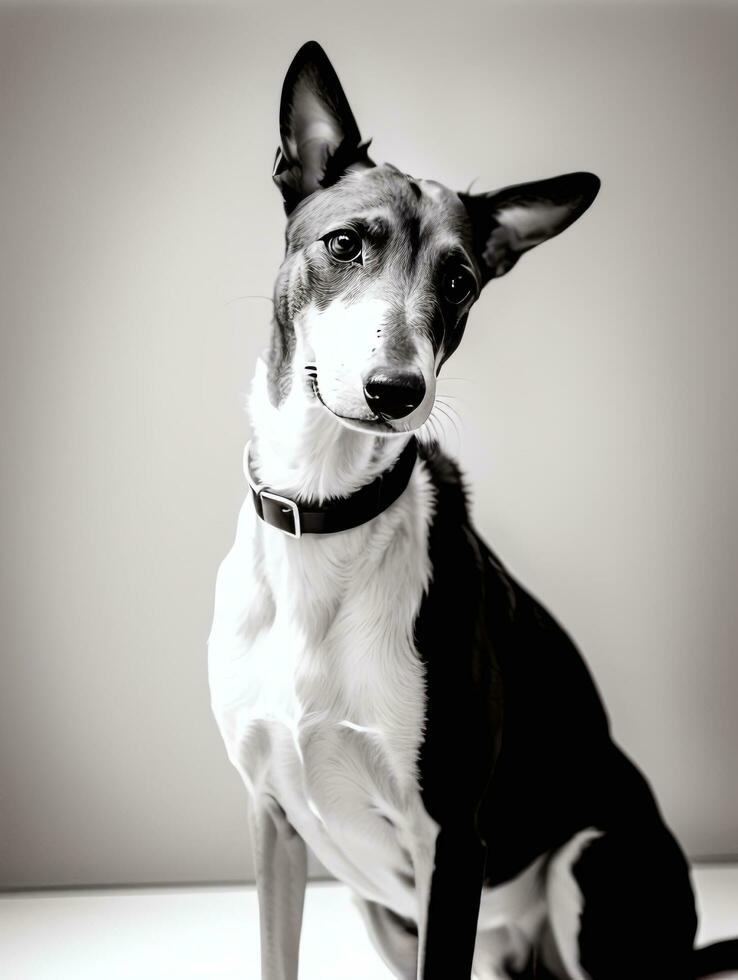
(343, 340)
(346, 341)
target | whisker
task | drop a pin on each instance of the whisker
(424, 433)
(447, 418)
(457, 398)
(441, 434)
(441, 400)
(447, 412)
(430, 423)
(237, 299)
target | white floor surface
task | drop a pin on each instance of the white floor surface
(212, 933)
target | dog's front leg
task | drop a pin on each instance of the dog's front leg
(280, 859)
(454, 888)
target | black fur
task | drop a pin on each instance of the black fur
(518, 750)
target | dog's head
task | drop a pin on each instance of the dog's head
(381, 268)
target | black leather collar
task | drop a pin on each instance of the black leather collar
(338, 513)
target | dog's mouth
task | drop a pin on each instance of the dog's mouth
(375, 425)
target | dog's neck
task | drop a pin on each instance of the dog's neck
(300, 450)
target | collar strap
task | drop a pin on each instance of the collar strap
(338, 513)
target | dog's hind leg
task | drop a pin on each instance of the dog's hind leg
(621, 905)
(280, 858)
(395, 939)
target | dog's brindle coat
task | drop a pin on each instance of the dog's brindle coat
(390, 694)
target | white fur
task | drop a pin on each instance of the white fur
(315, 680)
(304, 452)
(540, 908)
(565, 901)
(346, 342)
(511, 917)
(343, 340)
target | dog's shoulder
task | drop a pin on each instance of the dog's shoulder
(476, 600)
(463, 564)
(463, 690)
(449, 485)
(508, 691)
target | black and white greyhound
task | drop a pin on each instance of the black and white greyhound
(390, 695)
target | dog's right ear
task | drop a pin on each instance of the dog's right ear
(320, 138)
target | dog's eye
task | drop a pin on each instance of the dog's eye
(344, 245)
(457, 285)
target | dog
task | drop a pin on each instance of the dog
(390, 695)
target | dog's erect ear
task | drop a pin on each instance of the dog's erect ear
(320, 138)
(510, 221)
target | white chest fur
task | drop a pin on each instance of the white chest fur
(318, 688)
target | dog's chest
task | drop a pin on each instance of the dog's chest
(319, 690)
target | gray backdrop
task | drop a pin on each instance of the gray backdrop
(596, 385)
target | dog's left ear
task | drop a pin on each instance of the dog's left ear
(320, 138)
(510, 221)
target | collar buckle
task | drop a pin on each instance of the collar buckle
(280, 512)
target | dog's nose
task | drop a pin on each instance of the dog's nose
(393, 394)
